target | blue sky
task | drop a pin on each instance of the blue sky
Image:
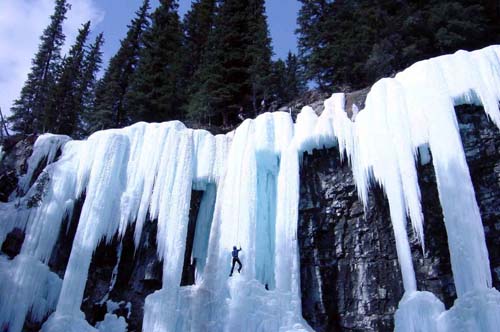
(282, 16)
(22, 22)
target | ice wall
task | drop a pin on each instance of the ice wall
(402, 114)
(250, 179)
(245, 214)
(149, 170)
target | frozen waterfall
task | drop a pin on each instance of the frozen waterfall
(250, 179)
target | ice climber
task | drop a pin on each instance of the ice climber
(234, 253)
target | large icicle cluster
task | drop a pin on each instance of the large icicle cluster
(250, 179)
(410, 113)
(149, 171)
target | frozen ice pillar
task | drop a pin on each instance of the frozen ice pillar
(433, 88)
(99, 219)
(260, 176)
(403, 113)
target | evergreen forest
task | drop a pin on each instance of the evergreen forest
(216, 63)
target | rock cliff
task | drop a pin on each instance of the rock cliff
(350, 276)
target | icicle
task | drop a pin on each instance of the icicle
(287, 269)
(98, 219)
(59, 323)
(44, 222)
(160, 314)
(402, 114)
(203, 158)
(250, 177)
(112, 323)
(219, 303)
(153, 144)
(305, 137)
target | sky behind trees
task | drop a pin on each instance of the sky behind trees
(22, 22)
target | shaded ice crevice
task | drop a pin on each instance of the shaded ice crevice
(251, 177)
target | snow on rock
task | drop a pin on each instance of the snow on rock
(45, 149)
(475, 311)
(61, 323)
(250, 179)
(424, 312)
(31, 287)
(418, 311)
(112, 323)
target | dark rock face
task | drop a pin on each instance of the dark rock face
(129, 277)
(189, 268)
(17, 151)
(349, 273)
(125, 275)
(62, 249)
(481, 140)
(8, 183)
(350, 277)
(13, 243)
(14, 163)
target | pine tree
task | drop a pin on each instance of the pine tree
(197, 25)
(235, 69)
(30, 111)
(259, 52)
(198, 28)
(348, 44)
(229, 84)
(67, 95)
(109, 108)
(278, 83)
(92, 65)
(311, 22)
(294, 79)
(287, 81)
(155, 93)
(202, 104)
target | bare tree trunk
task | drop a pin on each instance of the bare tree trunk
(254, 100)
(3, 126)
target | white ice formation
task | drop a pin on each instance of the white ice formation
(44, 153)
(250, 180)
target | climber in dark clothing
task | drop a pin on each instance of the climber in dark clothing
(234, 253)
